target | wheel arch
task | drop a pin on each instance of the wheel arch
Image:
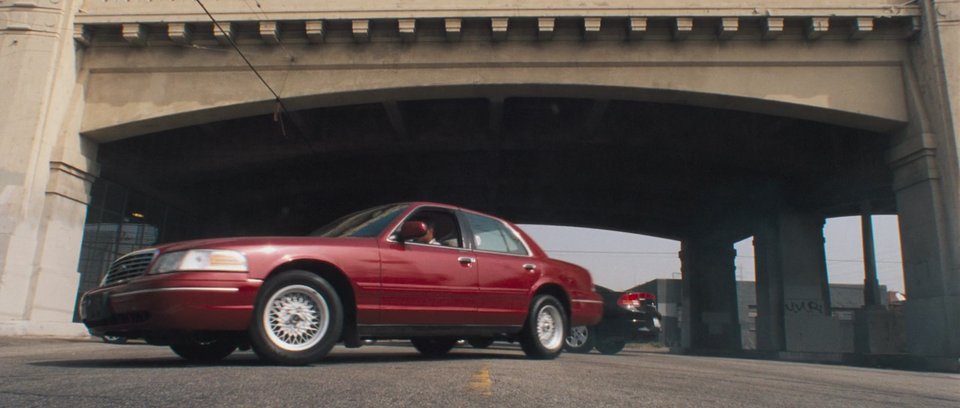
(558, 292)
(338, 279)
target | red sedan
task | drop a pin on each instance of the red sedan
(427, 272)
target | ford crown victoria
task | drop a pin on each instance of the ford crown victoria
(427, 272)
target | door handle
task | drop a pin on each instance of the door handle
(530, 267)
(466, 260)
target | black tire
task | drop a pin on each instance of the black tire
(433, 346)
(610, 347)
(205, 351)
(480, 342)
(111, 339)
(313, 313)
(580, 339)
(543, 334)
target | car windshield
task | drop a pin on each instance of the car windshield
(366, 223)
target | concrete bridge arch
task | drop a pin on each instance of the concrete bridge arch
(133, 100)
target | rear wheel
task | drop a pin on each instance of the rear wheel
(580, 339)
(297, 319)
(433, 346)
(546, 327)
(610, 347)
(205, 350)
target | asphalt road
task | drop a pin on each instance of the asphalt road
(61, 373)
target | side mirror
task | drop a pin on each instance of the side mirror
(411, 229)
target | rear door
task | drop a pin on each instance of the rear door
(507, 271)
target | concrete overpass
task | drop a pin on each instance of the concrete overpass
(705, 122)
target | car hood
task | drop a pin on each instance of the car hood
(240, 243)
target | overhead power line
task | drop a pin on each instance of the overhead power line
(245, 60)
(281, 108)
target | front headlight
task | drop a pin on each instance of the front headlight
(201, 260)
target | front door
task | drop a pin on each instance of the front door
(434, 282)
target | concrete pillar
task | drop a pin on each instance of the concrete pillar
(767, 264)
(710, 314)
(871, 286)
(926, 162)
(44, 173)
(932, 310)
(873, 324)
(793, 297)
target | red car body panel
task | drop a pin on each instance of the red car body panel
(427, 285)
(506, 287)
(394, 284)
(184, 301)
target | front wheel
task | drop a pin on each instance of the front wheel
(580, 340)
(546, 327)
(205, 351)
(297, 319)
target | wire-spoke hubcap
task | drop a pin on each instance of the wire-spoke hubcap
(296, 318)
(550, 327)
(578, 336)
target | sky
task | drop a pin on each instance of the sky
(621, 260)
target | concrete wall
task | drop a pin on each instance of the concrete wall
(44, 174)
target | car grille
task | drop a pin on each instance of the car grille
(128, 267)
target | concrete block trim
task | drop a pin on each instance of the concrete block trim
(120, 11)
(814, 19)
(69, 182)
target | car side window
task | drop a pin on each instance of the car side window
(443, 228)
(492, 235)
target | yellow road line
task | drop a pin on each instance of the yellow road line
(480, 382)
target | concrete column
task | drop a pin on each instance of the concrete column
(710, 319)
(793, 297)
(43, 175)
(767, 260)
(874, 325)
(926, 162)
(932, 310)
(871, 286)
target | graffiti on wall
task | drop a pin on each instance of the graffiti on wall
(803, 306)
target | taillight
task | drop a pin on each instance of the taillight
(633, 301)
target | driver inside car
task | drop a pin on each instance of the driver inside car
(428, 238)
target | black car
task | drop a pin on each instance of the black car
(627, 317)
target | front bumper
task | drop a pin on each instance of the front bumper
(182, 301)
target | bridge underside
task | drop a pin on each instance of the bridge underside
(658, 169)
(705, 176)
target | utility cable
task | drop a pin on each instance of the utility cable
(281, 108)
(244, 57)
